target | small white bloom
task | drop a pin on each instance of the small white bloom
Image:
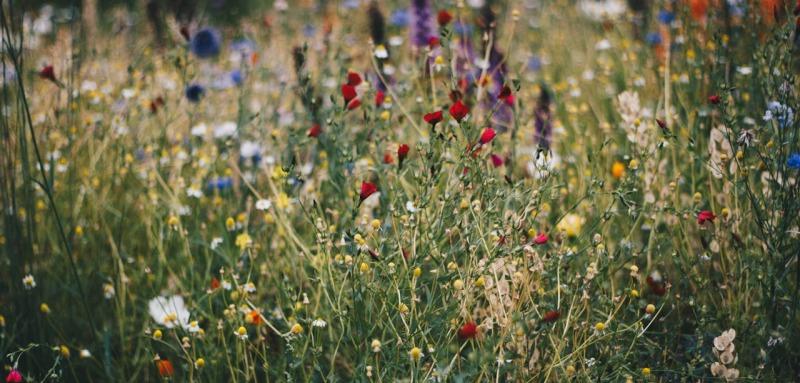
(319, 323)
(381, 52)
(263, 204)
(216, 242)
(225, 129)
(169, 311)
(29, 282)
(410, 207)
(194, 327)
(85, 354)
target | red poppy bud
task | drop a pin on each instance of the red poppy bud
(551, 316)
(379, 98)
(185, 33)
(497, 161)
(315, 131)
(433, 118)
(433, 42)
(214, 283)
(468, 331)
(402, 152)
(367, 189)
(48, 73)
(459, 111)
(715, 99)
(444, 17)
(349, 93)
(353, 78)
(487, 136)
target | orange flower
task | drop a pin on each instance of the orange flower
(253, 317)
(165, 368)
(699, 8)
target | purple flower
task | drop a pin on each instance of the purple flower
(422, 23)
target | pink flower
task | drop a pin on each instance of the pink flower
(14, 377)
(540, 239)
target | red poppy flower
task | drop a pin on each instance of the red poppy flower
(506, 92)
(433, 42)
(705, 216)
(459, 110)
(379, 98)
(367, 189)
(353, 104)
(349, 93)
(714, 99)
(433, 118)
(444, 17)
(487, 136)
(468, 331)
(540, 239)
(214, 283)
(165, 368)
(387, 158)
(353, 79)
(314, 131)
(551, 316)
(48, 73)
(402, 152)
(497, 161)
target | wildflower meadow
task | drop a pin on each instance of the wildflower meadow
(400, 190)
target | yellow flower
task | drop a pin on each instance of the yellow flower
(2, 321)
(571, 224)
(415, 354)
(44, 308)
(364, 267)
(634, 293)
(480, 282)
(417, 272)
(230, 224)
(646, 371)
(600, 326)
(650, 309)
(157, 335)
(200, 363)
(64, 350)
(458, 284)
(241, 331)
(243, 241)
(282, 202)
(297, 329)
(172, 221)
(617, 169)
(278, 173)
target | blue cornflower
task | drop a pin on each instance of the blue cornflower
(399, 18)
(781, 113)
(194, 92)
(666, 17)
(653, 38)
(794, 161)
(206, 43)
(534, 63)
(237, 77)
(220, 183)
